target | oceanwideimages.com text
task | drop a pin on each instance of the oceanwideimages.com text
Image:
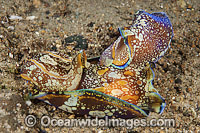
(47, 121)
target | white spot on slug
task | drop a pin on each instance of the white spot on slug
(47, 59)
(97, 113)
(32, 67)
(116, 92)
(140, 37)
(40, 78)
(114, 75)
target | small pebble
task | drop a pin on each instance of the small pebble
(189, 6)
(189, 89)
(178, 80)
(37, 33)
(28, 103)
(11, 27)
(13, 17)
(42, 31)
(11, 55)
(19, 105)
(30, 18)
(71, 116)
(193, 112)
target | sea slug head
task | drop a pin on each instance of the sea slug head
(146, 40)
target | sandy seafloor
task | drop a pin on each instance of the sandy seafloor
(177, 74)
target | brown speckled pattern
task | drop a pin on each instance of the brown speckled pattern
(131, 83)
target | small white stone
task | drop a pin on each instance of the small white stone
(13, 17)
(28, 103)
(11, 55)
(30, 18)
(37, 33)
(11, 27)
(19, 105)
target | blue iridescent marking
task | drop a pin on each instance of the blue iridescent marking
(129, 54)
